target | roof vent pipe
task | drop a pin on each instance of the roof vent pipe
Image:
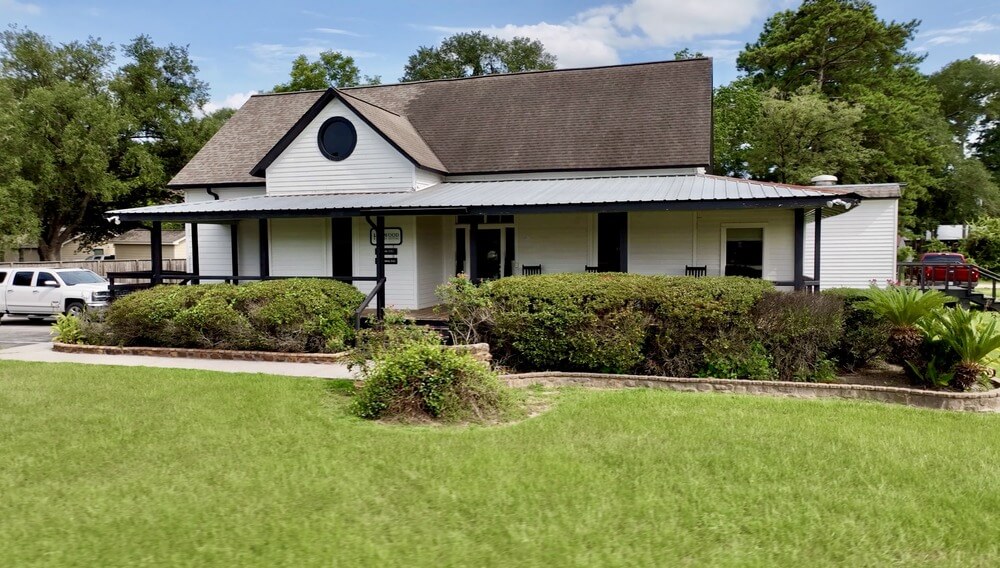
(824, 180)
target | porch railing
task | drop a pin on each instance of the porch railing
(118, 289)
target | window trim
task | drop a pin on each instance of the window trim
(766, 264)
(322, 130)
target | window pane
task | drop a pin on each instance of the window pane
(23, 278)
(42, 277)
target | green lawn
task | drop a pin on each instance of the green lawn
(103, 466)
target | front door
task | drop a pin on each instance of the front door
(48, 298)
(489, 254)
(612, 242)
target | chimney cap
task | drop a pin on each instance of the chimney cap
(824, 180)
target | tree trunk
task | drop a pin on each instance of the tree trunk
(51, 249)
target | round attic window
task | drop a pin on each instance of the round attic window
(337, 138)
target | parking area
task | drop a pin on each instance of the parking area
(16, 331)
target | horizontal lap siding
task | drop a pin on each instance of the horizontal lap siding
(214, 244)
(401, 279)
(559, 242)
(779, 239)
(373, 166)
(300, 247)
(660, 242)
(858, 246)
(430, 261)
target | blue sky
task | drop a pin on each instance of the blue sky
(247, 46)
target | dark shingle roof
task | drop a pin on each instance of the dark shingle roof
(627, 116)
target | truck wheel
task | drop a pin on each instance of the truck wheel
(75, 309)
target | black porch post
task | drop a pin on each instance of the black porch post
(265, 262)
(474, 251)
(156, 252)
(380, 266)
(195, 261)
(234, 249)
(818, 213)
(800, 247)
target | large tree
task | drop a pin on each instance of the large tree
(331, 69)
(970, 96)
(91, 137)
(844, 51)
(475, 53)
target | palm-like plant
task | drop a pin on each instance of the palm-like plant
(904, 308)
(971, 336)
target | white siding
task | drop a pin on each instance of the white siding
(563, 242)
(661, 242)
(423, 178)
(779, 239)
(300, 247)
(858, 246)
(248, 247)
(373, 166)
(430, 261)
(214, 245)
(401, 279)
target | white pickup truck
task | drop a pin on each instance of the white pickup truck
(49, 291)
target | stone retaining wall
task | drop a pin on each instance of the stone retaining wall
(966, 401)
(202, 353)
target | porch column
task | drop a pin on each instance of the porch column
(195, 262)
(818, 214)
(800, 248)
(234, 249)
(156, 252)
(474, 250)
(380, 266)
(265, 262)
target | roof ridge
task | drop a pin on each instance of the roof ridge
(369, 103)
(529, 72)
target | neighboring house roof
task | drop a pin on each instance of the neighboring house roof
(653, 192)
(648, 115)
(875, 190)
(141, 237)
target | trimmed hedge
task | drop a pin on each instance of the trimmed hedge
(612, 322)
(294, 315)
(866, 333)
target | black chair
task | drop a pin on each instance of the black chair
(531, 270)
(695, 270)
(592, 268)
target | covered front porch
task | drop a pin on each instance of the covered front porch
(399, 247)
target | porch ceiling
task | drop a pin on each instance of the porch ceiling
(625, 193)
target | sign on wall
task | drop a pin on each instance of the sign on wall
(393, 236)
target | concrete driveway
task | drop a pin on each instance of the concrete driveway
(16, 331)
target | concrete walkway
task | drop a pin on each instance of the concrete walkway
(43, 353)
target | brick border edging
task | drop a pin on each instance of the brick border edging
(988, 401)
(185, 353)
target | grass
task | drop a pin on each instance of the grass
(103, 466)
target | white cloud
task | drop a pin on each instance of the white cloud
(234, 100)
(596, 36)
(15, 7)
(337, 31)
(276, 57)
(959, 34)
(989, 57)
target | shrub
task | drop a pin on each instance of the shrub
(904, 308)
(296, 315)
(983, 242)
(470, 310)
(419, 379)
(865, 333)
(753, 363)
(971, 337)
(68, 329)
(798, 331)
(610, 322)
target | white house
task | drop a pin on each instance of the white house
(600, 169)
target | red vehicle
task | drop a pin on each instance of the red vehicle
(947, 267)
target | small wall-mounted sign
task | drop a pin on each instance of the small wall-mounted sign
(393, 236)
(390, 251)
(390, 260)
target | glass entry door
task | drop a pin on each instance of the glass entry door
(489, 254)
(494, 251)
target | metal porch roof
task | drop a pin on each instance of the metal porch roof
(628, 192)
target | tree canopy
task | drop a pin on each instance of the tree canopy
(475, 53)
(82, 137)
(331, 69)
(859, 67)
